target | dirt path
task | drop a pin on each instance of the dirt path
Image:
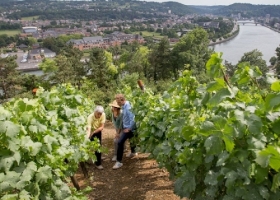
(138, 179)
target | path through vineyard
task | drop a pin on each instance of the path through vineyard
(138, 179)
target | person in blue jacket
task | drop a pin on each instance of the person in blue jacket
(128, 127)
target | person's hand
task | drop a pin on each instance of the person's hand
(126, 130)
(91, 134)
(117, 136)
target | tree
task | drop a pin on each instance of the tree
(273, 60)
(254, 58)
(136, 62)
(65, 68)
(159, 59)
(100, 67)
(192, 50)
(277, 63)
(31, 41)
(230, 68)
(10, 80)
(50, 43)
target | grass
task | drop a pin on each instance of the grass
(86, 54)
(30, 18)
(150, 34)
(9, 32)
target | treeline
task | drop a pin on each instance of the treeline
(24, 13)
(174, 7)
(100, 10)
(5, 40)
(9, 26)
(79, 14)
(130, 9)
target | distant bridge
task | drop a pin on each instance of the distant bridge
(248, 22)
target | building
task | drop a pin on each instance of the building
(22, 46)
(40, 53)
(29, 29)
(114, 39)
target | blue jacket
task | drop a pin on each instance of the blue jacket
(128, 116)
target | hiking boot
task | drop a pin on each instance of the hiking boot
(114, 159)
(131, 155)
(117, 165)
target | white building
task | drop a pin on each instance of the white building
(29, 29)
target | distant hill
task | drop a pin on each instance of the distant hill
(179, 9)
(175, 7)
(127, 9)
(249, 10)
(206, 9)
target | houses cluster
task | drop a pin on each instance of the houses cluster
(114, 39)
(37, 33)
(211, 24)
(35, 55)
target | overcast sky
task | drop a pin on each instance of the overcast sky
(221, 2)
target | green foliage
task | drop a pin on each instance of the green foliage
(10, 77)
(5, 39)
(37, 135)
(65, 68)
(159, 59)
(218, 140)
(101, 68)
(277, 61)
(191, 50)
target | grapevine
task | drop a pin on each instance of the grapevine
(218, 140)
(37, 136)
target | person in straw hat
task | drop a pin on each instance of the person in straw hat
(117, 121)
(128, 129)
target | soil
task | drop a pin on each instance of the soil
(139, 178)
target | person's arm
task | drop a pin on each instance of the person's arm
(100, 128)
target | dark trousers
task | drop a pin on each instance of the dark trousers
(121, 141)
(97, 154)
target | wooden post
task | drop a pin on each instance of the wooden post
(75, 182)
(84, 169)
(73, 179)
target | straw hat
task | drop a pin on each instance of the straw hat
(114, 104)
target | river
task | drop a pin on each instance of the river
(250, 37)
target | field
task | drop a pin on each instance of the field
(30, 18)
(149, 34)
(9, 32)
(86, 54)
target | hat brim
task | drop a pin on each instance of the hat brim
(114, 105)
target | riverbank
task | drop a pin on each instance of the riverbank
(273, 29)
(225, 40)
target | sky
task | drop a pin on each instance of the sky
(221, 2)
